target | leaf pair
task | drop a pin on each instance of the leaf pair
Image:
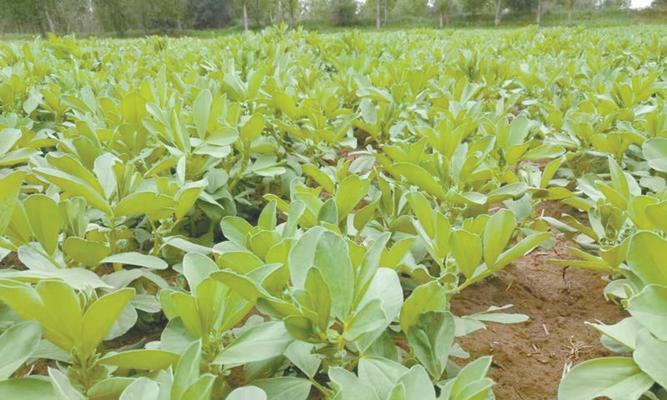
(57, 307)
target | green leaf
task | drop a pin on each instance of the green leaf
(427, 297)
(319, 176)
(75, 186)
(497, 234)
(302, 256)
(328, 213)
(109, 388)
(152, 204)
(655, 152)
(525, 246)
(87, 252)
(417, 384)
(201, 111)
(655, 215)
(622, 335)
(649, 308)
(247, 393)
(467, 251)
(301, 355)
(187, 196)
(8, 138)
(519, 129)
(385, 286)
(201, 389)
(431, 340)
(137, 259)
(617, 378)
(267, 218)
(421, 178)
(382, 374)
(294, 213)
(144, 359)
(236, 230)
(350, 191)
(9, 190)
(368, 318)
(252, 128)
(650, 356)
(333, 261)
(30, 388)
(645, 258)
(60, 312)
(196, 268)
(17, 344)
(424, 212)
(543, 152)
(101, 315)
(285, 388)
(44, 216)
(187, 370)
(141, 389)
(133, 107)
(300, 327)
(63, 387)
(240, 261)
(470, 383)
(257, 343)
(319, 297)
(350, 387)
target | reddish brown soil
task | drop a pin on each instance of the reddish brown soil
(11, 261)
(529, 358)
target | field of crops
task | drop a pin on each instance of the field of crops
(288, 215)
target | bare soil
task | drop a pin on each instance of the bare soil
(529, 358)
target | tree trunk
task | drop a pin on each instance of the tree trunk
(245, 17)
(378, 19)
(538, 16)
(442, 21)
(279, 17)
(498, 11)
(569, 16)
(49, 20)
(447, 18)
(386, 12)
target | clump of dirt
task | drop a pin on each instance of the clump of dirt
(11, 261)
(529, 358)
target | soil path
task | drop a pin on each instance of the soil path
(529, 358)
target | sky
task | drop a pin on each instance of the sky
(640, 3)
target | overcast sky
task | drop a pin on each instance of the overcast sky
(640, 3)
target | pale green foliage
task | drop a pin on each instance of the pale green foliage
(275, 214)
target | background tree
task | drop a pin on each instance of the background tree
(414, 8)
(289, 8)
(208, 14)
(343, 12)
(476, 7)
(499, 11)
(114, 14)
(444, 9)
(616, 4)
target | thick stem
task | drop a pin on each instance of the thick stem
(498, 11)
